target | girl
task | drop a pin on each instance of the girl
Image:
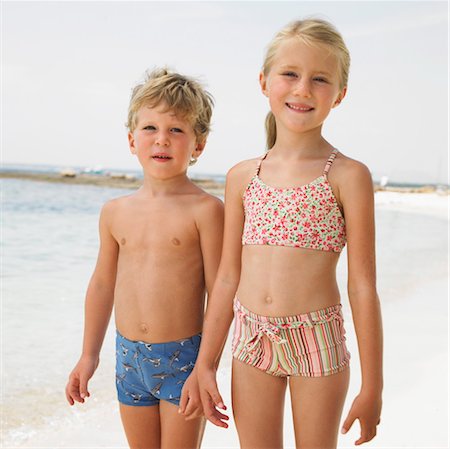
(288, 215)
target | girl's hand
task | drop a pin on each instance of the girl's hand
(190, 402)
(211, 399)
(77, 386)
(367, 409)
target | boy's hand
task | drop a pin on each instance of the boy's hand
(190, 403)
(367, 409)
(211, 399)
(77, 386)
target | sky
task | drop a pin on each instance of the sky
(68, 69)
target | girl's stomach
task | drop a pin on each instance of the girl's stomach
(283, 281)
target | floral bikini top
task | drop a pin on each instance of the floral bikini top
(300, 217)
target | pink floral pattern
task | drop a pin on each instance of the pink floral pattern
(301, 217)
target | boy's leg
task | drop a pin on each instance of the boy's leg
(176, 431)
(317, 404)
(142, 426)
(258, 406)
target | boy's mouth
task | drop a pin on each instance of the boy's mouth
(161, 157)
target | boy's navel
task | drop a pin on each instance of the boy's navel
(123, 241)
(144, 328)
(176, 242)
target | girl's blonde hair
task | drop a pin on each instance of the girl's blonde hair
(183, 95)
(313, 32)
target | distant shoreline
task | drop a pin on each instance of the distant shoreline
(123, 181)
(119, 181)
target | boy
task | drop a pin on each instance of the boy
(159, 251)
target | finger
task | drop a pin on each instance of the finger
(348, 423)
(191, 407)
(215, 416)
(367, 434)
(217, 398)
(68, 397)
(197, 414)
(183, 401)
(73, 390)
(84, 393)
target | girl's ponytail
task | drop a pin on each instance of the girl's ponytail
(271, 130)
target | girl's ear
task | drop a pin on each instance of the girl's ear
(263, 84)
(340, 97)
(131, 143)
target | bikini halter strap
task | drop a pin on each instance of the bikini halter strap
(329, 162)
(258, 168)
(325, 170)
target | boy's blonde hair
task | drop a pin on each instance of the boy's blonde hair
(182, 95)
(314, 32)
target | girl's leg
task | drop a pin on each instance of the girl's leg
(142, 426)
(258, 405)
(176, 431)
(317, 404)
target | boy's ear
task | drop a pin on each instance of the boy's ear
(199, 149)
(131, 143)
(263, 83)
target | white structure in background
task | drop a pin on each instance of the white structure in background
(383, 181)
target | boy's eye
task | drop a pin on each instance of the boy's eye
(177, 130)
(149, 127)
(320, 79)
(290, 74)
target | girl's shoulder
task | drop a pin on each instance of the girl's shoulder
(240, 175)
(347, 176)
(244, 169)
(346, 168)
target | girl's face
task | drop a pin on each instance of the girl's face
(302, 86)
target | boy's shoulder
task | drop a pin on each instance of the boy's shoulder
(207, 201)
(113, 205)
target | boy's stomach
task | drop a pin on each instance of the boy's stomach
(284, 281)
(158, 310)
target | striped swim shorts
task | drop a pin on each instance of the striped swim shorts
(311, 344)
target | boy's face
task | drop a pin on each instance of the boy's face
(163, 142)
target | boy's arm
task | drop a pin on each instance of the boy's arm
(98, 306)
(358, 202)
(210, 228)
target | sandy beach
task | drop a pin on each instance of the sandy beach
(412, 242)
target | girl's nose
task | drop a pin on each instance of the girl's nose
(303, 88)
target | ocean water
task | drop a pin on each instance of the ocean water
(49, 248)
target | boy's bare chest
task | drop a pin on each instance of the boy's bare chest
(169, 229)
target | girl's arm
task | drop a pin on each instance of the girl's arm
(210, 229)
(219, 313)
(358, 201)
(98, 306)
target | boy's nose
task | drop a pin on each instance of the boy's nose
(162, 139)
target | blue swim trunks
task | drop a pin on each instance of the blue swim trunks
(149, 372)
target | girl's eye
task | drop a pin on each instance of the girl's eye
(177, 130)
(290, 74)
